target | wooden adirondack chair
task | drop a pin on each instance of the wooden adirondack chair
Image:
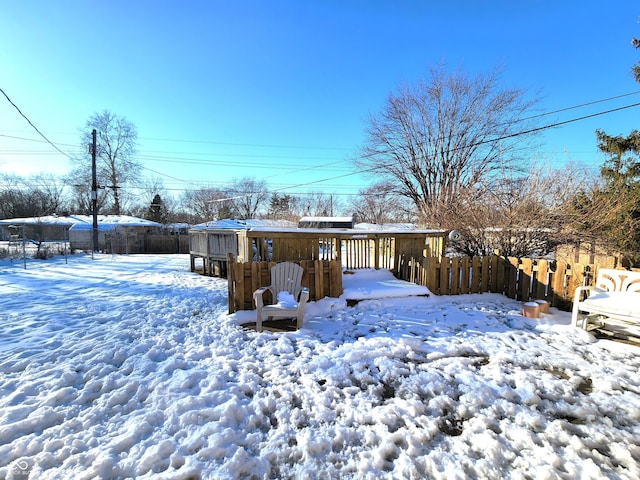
(288, 295)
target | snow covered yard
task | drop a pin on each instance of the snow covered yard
(130, 367)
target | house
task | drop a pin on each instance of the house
(116, 233)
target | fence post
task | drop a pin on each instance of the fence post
(541, 279)
(486, 266)
(498, 280)
(476, 274)
(319, 279)
(525, 279)
(558, 283)
(511, 276)
(464, 277)
(431, 267)
(231, 260)
(335, 275)
(455, 275)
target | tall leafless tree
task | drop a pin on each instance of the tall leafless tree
(250, 196)
(115, 159)
(318, 204)
(438, 139)
(379, 204)
(208, 204)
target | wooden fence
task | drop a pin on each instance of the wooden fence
(518, 278)
(323, 278)
(134, 243)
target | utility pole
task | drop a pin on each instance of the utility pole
(94, 193)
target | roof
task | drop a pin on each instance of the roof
(282, 226)
(352, 231)
(250, 224)
(327, 219)
(83, 221)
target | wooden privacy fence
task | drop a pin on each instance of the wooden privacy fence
(323, 278)
(134, 243)
(518, 278)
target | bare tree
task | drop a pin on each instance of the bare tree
(32, 196)
(318, 204)
(379, 203)
(635, 70)
(249, 196)
(115, 161)
(49, 192)
(146, 191)
(445, 135)
(208, 204)
(518, 215)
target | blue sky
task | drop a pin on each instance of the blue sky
(280, 90)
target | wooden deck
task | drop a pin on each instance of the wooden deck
(352, 248)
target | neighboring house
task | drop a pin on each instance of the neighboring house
(48, 228)
(77, 229)
(116, 233)
(589, 253)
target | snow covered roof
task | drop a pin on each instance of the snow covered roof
(286, 226)
(111, 222)
(79, 222)
(385, 226)
(326, 219)
(44, 220)
(234, 224)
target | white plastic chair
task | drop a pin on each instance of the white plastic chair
(288, 295)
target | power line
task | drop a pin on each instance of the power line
(177, 159)
(504, 137)
(301, 147)
(587, 104)
(34, 127)
(524, 132)
(253, 145)
(553, 125)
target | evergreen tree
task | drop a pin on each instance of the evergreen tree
(279, 206)
(611, 212)
(621, 181)
(157, 211)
